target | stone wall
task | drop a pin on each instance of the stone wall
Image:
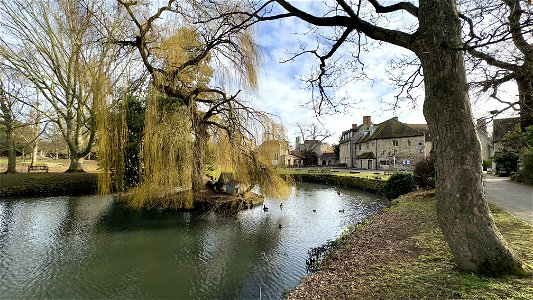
(401, 153)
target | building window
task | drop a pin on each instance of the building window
(384, 162)
(395, 142)
(359, 146)
(408, 142)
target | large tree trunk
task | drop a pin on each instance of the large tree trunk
(525, 93)
(34, 153)
(76, 164)
(11, 153)
(462, 210)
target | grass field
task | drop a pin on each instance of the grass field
(337, 172)
(54, 165)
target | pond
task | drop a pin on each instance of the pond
(89, 247)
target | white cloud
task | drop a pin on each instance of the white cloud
(282, 93)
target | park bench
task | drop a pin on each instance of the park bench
(354, 172)
(325, 170)
(38, 168)
(313, 170)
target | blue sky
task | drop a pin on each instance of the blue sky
(282, 93)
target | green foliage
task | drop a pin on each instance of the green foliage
(135, 124)
(309, 157)
(526, 156)
(398, 184)
(424, 174)
(485, 164)
(517, 144)
(336, 150)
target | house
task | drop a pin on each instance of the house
(327, 159)
(277, 152)
(348, 140)
(388, 145)
(324, 151)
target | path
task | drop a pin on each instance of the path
(515, 198)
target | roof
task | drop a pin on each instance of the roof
(423, 128)
(393, 128)
(365, 155)
(328, 155)
(501, 127)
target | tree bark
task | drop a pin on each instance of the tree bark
(9, 123)
(462, 210)
(76, 163)
(525, 94)
(11, 153)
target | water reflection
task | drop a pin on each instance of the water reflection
(90, 247)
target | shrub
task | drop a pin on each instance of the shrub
(527, 165)
(424, 174)
(517, 177)
(398, 184)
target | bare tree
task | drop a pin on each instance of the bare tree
(462, 210)
(54, 44)
(13, 113)
(313, 131)
(499, 42)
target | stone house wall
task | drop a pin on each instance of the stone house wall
(401, 153)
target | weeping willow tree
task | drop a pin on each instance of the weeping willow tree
(184, 112)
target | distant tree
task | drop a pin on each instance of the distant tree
(336, 150)
(500, 44)
(11, 113)
(314, 132)
(54, 44)
(310, 158)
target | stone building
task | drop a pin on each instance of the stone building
(278, 153)
(348, 140)
(388, 145)
(323, 151)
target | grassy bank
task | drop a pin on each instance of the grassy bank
(400, 254)
(359, 183)
(47, 184)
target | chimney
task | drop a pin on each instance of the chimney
(367, 122)
(481, 125)
(354, 126)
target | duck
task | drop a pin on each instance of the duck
(341, 210)
(338, 193)
(280, 226)
(314, 210)
(265, 208)
(281, 205)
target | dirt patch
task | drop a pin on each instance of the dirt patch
(382, 239)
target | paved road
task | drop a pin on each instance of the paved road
(515, 198)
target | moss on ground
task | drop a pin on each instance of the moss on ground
(410, 260)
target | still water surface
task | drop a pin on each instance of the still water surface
(88, 247)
